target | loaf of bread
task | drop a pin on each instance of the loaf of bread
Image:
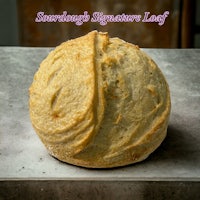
(99, 102)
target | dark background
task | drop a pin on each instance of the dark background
(181, 29)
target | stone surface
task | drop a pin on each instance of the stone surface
(23, 157)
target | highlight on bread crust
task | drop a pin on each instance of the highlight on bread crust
(99, 102)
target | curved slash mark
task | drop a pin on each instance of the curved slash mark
(55, 98)
(52, 76)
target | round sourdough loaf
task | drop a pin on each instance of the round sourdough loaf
(99, 102)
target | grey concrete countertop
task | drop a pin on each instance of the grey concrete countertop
(23, 156)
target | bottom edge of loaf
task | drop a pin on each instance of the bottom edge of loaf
(106, 164)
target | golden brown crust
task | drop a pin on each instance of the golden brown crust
(99, 102)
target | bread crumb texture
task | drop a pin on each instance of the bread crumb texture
(99, 102)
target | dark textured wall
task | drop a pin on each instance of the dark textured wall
(9, 29)
(8, 23)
